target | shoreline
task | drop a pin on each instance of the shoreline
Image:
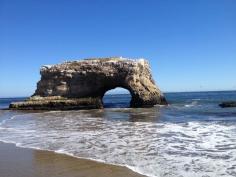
(26, 162)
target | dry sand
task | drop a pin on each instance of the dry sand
(23, 162)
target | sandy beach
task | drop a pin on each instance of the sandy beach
(23, 162)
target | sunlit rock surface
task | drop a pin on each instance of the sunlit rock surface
(82, 84)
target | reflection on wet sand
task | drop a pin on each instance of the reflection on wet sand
(19, 162)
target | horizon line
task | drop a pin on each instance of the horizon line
(127, 93)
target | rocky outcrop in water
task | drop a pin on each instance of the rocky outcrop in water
(228, 104)
(82, 84)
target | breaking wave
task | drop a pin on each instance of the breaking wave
(192, 148)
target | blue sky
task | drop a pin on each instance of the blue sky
(190, 44)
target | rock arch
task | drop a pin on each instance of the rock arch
(83, 83)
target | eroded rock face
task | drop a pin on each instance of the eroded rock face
(92, 78)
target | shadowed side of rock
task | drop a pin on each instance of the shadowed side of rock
(82, 84)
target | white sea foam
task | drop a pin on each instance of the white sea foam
(193, 103)
(5, 120)
(154, 149)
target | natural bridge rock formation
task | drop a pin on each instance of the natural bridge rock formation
(82, 84)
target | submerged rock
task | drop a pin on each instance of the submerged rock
(228, 104)
(83, 83)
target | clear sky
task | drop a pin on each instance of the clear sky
(190, 44)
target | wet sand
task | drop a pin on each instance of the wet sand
(23, 162)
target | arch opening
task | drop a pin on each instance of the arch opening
(117, 98)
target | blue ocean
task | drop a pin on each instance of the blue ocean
(192, 136)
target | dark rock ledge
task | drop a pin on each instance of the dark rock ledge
(82, 84)
(228, 104)
(57, 103)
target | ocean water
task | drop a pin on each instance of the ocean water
(191, 137)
